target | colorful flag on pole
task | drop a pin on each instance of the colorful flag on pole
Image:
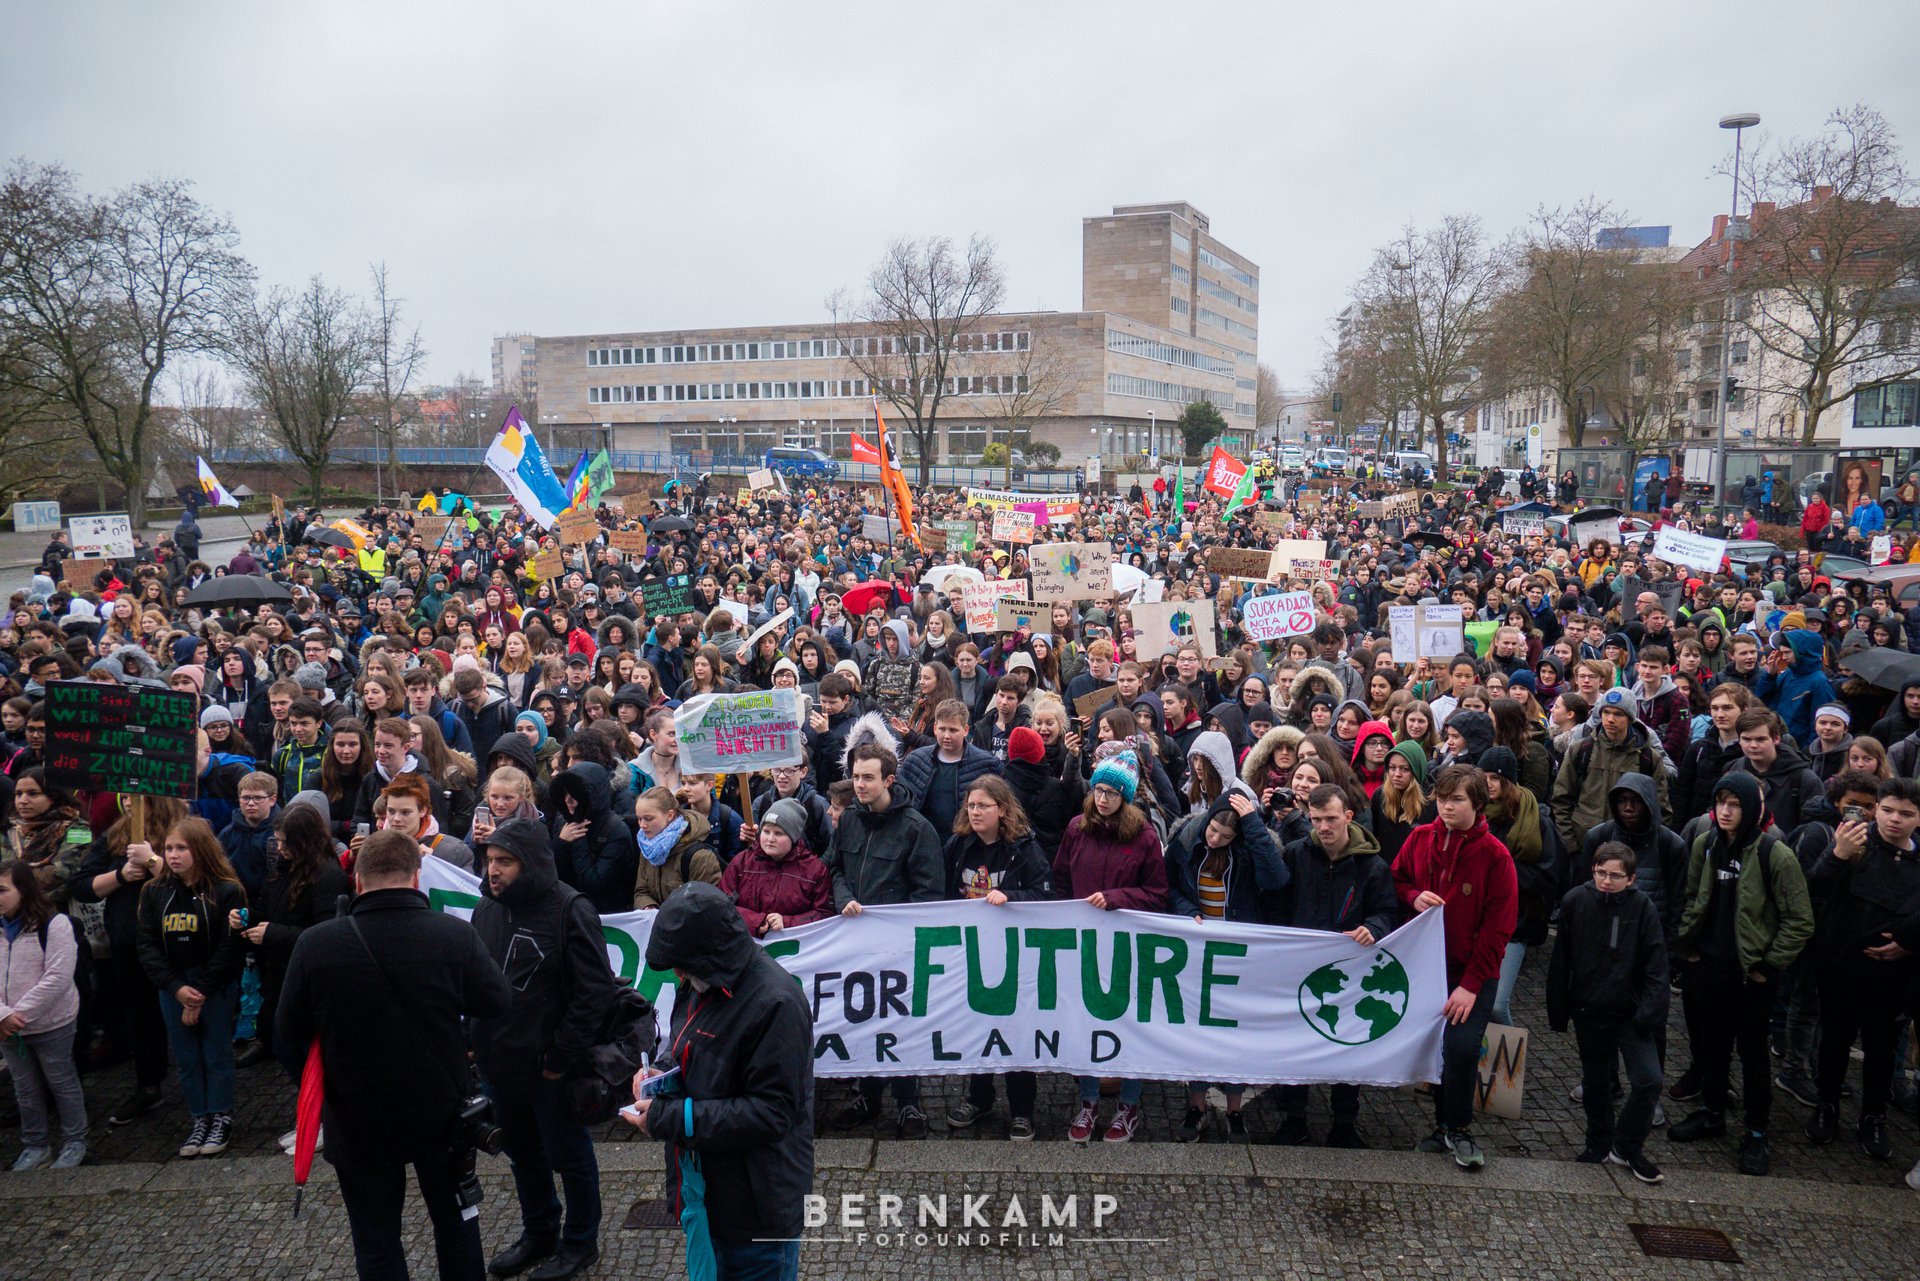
(600, 475)
(579, 494)
(210, 485)
(890, 477)
(1243, 493)
(1179, 492)
(862, 451)
(517, 459)
(1224, 473)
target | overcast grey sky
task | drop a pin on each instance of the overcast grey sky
(562, 167)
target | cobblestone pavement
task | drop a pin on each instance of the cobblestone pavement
(1225, 1210)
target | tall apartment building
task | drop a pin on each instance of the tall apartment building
(514, 373)
(1169, 316)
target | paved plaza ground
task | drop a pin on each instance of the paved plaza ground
(1210, 1210)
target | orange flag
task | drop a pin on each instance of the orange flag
(890, 477)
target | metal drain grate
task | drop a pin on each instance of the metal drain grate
(1709, 1245)
(656, 1214)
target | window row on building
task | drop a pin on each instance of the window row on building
(1154, 389)
(1166, 353)
(1182, 275)
(1895, 405)
(1226, 295)
(1231, 326)
(801, 349)
(800, 389)
(1226, 268)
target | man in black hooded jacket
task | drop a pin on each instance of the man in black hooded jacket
(742, 1038)
(546, 939)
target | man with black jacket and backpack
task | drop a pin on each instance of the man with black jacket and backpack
(546, 939)
(384, 988)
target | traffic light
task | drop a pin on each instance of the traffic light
(1336, 402)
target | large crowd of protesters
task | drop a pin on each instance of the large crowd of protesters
(1647, 778)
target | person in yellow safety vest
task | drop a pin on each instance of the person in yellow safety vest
(429, 502)
(373, 560)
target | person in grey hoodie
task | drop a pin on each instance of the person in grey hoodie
(1217, 751)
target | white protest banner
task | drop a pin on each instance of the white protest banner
(1064, 987)
(1060, 511)
(1288, 550)
(1012, 526)
(1272, 617)
(105, 537)
(1880, 551)
(1173, 623)
(739, 733)
(1677, 547)
(1071, 571)
(1425, 631)
(979, 600)
(1524, 524)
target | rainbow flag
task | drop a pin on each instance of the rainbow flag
(579, 484)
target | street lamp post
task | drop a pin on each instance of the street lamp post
(1739, 123)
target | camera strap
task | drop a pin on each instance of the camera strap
(414, 1007)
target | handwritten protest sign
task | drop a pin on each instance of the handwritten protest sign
(1277, 521)
(1011, 525)
(549, 564)
(1071, 571)
(961, 534)
(1287, 549)
(121, 738)
(879, 529)
(1087, 704)
(1312, 570)
(1426, 631)
(668, 596)
(1239, 562)
(763, 481)
(78, 574)
(979, 600)
(1524, 524)
(577, 526)
(1011, 615)
(432, 529)
(739, 733)
(105, 536)
(1282, 614)
(631, 541)
(1678, 547)
(1604, 528)
(1173, 623)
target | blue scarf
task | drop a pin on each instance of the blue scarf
(656, 849)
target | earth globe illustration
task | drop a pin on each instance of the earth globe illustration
(1354, 1002)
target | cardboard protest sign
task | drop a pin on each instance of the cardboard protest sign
(1697, 551)
(1370, 511)
(432, 529)
(934, 540)
(577, 526)
(549, 564)
(1166, 624)
(1087, 704)
(1287, 549)
(668, 596)
(1275, 521)
(1011, 615)
(1273, 617)
(1011, 525)
(631, 541)
(890, 683)
(101, 536)
(78, 574)
(879, 529)
(1239, 562)
(1426, 631)
(762, 481)
(1501, 1080)
(739, 733)
(979, 600)
(1071, 571)
(122, 738)
(1604, 528)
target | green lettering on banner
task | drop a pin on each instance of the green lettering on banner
(1105, 1002)
(997, 999)
(1209, 980)
(1049, 943)
(1164, 970)
(925, 939)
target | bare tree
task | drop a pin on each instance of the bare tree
(1579, 310)
(1832, 264)
(307, 358)
(102, 294)
(397, 358)
(1269, 401)
(923, 307)
(41, 447)
(1424, 306)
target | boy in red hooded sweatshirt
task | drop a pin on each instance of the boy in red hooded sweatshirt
(1455, 864)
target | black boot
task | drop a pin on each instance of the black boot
(520, 1256)
(568, 1260)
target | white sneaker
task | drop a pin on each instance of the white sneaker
(1913, 1177)
(287, 1140)
(33, 1158)
(71, 1156)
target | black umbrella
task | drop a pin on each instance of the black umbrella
(1425, 538)
(239, 589)
(1888, 669)
(671, 525)
(331, 537)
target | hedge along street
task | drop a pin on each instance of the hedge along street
(932, 988)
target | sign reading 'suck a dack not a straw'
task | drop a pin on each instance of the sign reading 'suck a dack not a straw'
(121, 738)
(738, 733)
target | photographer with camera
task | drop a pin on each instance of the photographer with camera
(384, 987)
(546, 939)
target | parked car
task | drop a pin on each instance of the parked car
(1330, 460)
(1293, 460)
(789, 461)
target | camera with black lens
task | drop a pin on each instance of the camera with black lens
(474, 1132)
(1282, 799)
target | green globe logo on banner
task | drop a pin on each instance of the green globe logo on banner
(1350, 1007)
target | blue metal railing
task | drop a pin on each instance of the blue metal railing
(661, 461)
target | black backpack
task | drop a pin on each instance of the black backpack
(601, 1083)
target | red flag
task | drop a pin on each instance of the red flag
(863, 452)
(1223, 473)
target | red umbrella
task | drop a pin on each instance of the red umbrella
(859, 600)
(306, 1122)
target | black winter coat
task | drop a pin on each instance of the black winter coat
(1256, 874)
(744, 1048)
(1343, 894)
(184, 937)
(1609, 961)
(1701, 765)
(601, 864)
(886, 856)
(1017, 869)
(1051, 793)
(547, 941)
(395, 1061)
(287, 917)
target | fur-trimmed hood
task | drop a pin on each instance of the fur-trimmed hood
(870, 728)
(1253, 769)
(1312, 681)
